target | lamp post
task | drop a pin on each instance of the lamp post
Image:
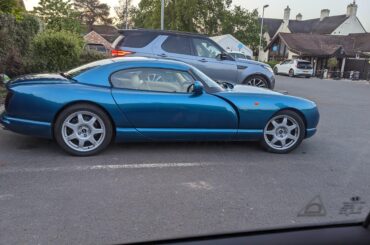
(162, 14)
(263, 15)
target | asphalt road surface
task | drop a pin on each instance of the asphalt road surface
(139, 192)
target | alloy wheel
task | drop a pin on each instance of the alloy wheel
(257, 82)
(83, 131)
(282, 132)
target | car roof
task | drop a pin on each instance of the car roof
(160, 32)
(101, 70)
(139, 59)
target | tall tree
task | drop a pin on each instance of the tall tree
(58, 15)
(92, 11)
(124, 13)
(185, 15)
(14, 7)
(243, 25)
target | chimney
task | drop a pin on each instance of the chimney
(352, 9)
(299, 16)
(286, 14)
(324, 13)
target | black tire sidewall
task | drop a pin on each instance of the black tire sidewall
(302, 130)
(83, 107)
(276, 71)
(291, 73)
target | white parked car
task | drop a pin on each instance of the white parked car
(294, 67)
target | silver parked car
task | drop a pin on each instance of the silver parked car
(197, 50)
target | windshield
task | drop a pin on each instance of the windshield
(208, 82)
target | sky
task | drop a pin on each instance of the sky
(308, 8)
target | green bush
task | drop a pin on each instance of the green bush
(88, 56)
(56, 51)
(272, 63)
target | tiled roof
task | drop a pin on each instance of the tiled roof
(271, 25)
(108, 32)
(325, 45)
(325, 26)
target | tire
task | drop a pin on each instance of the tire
(257, 81)
(276, 71)
(291, 73)
(83, 130)
(288, 134)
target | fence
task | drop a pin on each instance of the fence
(337, 75)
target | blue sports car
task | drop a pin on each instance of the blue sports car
(145, 99)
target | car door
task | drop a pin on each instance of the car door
(209, 61)
(284, 67)
(158, 104)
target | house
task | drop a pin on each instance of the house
(230, 43)
(330, 25)
(318, 48)
(101, 34)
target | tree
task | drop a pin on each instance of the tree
(186, 15)
(92, 11)
(124, 13)
(14, 7)
(243, 25)
(58, 15)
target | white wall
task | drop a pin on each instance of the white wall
(351, 25)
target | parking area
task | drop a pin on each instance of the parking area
(137, 192)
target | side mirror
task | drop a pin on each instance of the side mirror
(197, 88)
(223, 56)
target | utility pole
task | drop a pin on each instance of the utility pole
(162, 14)
(126, 15)
(260, 46)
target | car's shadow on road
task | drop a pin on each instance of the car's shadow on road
(23, 149)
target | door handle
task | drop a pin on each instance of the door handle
(203, 60)
(162, 55)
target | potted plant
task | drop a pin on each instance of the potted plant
(332, 64)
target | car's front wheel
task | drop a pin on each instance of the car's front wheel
(276, 71)
(283, 132)
(291, 73)
(83, 130)
(257, 81)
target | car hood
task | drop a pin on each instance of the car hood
(245, 89)
(37, 79)
(253, 62)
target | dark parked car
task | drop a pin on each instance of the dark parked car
(197, 50)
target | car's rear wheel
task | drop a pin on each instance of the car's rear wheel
(83, 130)
(291, 73)
(257, 81)
(276, 71)
(283, 132)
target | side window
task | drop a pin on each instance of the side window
(205, 48)
(137, 39)
(152, 79)
(177, 45)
